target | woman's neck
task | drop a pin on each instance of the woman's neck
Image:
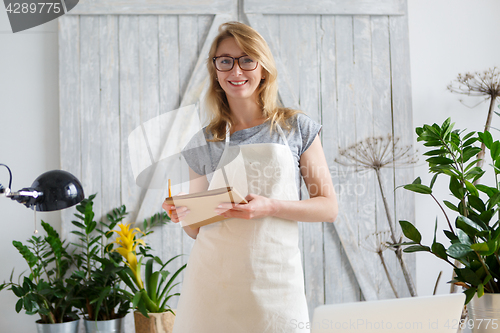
(245, 114)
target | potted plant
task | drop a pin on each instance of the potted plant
(475, 234)
(102, 302)
(45, 290)
(151, 293)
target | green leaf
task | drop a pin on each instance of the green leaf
(463, 237)
(471, 188)
(477, 203)
(30, 258)
(136, 299)
(468, 135)
(468, 142)
(78, 233)
(439, 250)
(456, 187)
(495, 150)
(490, 191)
(416, 248)
(485, 249)
(417, 181)
(470, 227)
(439, 160)
(493, 200)
(433, 180)
(486, 138)
(480, 290)
(78, 224)
(458, 250)
(435, 152)
(418, 188)
(469, 293)
(450, 205)
(451, 236)
(19, 305)
(469, 152)
(470, 276)
(410, 231)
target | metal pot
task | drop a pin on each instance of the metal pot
(104, 326)
(68, 327)
(484, 313)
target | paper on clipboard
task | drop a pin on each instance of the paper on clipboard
(202, 205)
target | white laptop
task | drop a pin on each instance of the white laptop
(414, 314)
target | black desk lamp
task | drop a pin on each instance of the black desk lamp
(52, 190)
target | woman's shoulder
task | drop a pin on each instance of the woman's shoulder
(300, 121)
(303, 130)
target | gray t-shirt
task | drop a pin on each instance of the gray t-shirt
(203, 156)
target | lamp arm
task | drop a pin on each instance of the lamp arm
(26, 196)
(4, 190)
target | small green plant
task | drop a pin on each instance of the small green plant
(45, 290)
(101, 296)
(151, 293)
(475, 236)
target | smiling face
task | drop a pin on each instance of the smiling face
(237, 83)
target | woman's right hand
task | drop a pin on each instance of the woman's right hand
(175, 213)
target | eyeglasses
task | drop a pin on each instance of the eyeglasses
(225, 63)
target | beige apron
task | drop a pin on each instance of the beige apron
(245, 276)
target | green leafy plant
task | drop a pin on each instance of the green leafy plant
(46, 290)
(475, 236)
(97, 269)
(151, 293)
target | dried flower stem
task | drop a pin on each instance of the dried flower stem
(398, 251)
(382, 260)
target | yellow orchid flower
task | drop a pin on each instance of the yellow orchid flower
(127, 245)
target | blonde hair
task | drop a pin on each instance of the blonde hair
(252, 43)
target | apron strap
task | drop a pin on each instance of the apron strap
(283, 136)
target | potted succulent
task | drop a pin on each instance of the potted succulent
(46, 290)
(474, 234)
(101, 300)
(152, 292)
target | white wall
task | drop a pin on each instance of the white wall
(447, 37)
(29, 143)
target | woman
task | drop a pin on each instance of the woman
(244, 274)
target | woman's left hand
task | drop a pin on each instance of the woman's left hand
(257, 206)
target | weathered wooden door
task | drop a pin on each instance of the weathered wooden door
(344, 62)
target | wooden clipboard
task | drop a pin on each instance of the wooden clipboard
(202, 205)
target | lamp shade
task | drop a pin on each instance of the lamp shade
(60, 190)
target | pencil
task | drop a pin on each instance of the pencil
(169, 194)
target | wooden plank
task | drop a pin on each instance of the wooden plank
(381, 103)
(110, 192)
(168, 26)
(340, 281)
(189, 58)
(156, 7)
(69, 108)
(309, 96)
(90, 106)
(325, 7)
(366, 189)
(289, 51)
(129, 105)
(258, 22)
(402, 119)
(346, 224)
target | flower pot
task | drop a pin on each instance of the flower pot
(156, 323)
(67, 327)
(104, 326)
(484, 313)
